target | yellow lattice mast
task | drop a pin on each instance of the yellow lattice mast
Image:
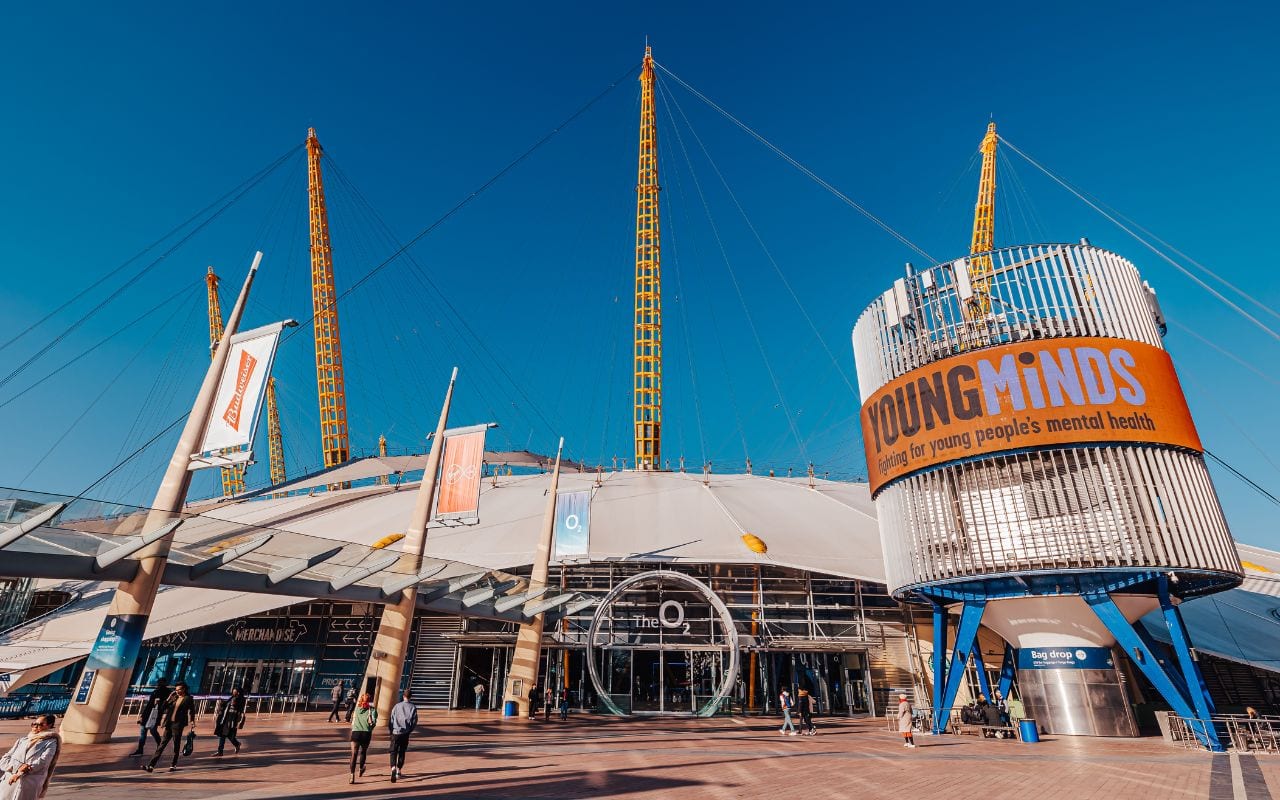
(382, 453)
(324, 301)
(984, 229)
(232, 477)
(648, 319)
(275, 440)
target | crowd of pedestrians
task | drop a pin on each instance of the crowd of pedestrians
(168, 716)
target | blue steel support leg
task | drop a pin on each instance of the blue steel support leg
(1197, 692)
(984, 683)
(966, 635)
(939, 665)
(1145, 658)
(1006, 671)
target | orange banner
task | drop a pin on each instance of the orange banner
(1033, 394)
(460, 475)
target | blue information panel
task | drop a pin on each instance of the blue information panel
(118, 642)
(86, 683)
(1065, 658)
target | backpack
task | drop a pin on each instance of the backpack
(787, 702)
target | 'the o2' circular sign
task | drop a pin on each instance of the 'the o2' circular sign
(664, 626)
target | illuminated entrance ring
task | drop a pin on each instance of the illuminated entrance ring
(731, 633)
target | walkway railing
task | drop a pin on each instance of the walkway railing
(1237, 731)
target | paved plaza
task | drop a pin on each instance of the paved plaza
(472, 755)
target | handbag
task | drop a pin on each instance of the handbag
(190, 746)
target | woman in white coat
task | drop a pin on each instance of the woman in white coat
(25, 770)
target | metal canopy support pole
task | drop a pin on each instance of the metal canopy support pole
(966, 635)
(386, 661)
(1170, 685)
(1197, 692)
(1007, 671)
(984, 683)
(112, 660)
(523, 675)
(940, 621)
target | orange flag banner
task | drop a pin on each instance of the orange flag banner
(460, 475)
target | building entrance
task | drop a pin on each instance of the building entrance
(662, 643)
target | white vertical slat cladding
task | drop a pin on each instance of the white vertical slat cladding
(1078, 508)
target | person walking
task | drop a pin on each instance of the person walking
(479, 690)
(149, 716)
(228, 718)
(178, 713)
(404, 718)
(363, 720)
(564, 705)
(805, 706)
(351, 702)
(26, 769)
(535, 702)
(786, 704)
(548, 703)
(335, 694)
(905, 720)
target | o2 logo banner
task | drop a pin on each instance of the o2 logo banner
(1026, 395)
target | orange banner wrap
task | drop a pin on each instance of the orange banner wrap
(460, 475)
(1045, 393)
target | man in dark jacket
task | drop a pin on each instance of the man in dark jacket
(153, 703)
(404, 718)
(178, 713)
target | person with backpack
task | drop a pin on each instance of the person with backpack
(335, 695)
(786, 704)
(363, 720)
(178, 713)
(404, 718)
(229, 718)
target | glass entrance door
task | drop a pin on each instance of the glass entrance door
(647, 683)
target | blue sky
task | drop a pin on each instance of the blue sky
(123, 122)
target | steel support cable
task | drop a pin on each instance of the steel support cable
(803, 169)
(1129, 220)
(1230, 418)
(711, 308)
(420, 273)
(681, 301)
(764, 248)
(127, 326)
(1026, 204)
(134, 454)
(253, 178)
(1245, 478)
(162, 386)
(93, 403)
(1115, 221)
(499, 175)
(135, 278)
(733, 277)
(415, 270)
(1268, 378)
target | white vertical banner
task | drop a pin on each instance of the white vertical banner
(573, 525)
(238, 403)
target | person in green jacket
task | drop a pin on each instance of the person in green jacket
(364, 718)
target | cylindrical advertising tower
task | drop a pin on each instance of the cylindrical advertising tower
(1034, 463)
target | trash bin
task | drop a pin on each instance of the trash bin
(1028, 730)
(510, 709)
